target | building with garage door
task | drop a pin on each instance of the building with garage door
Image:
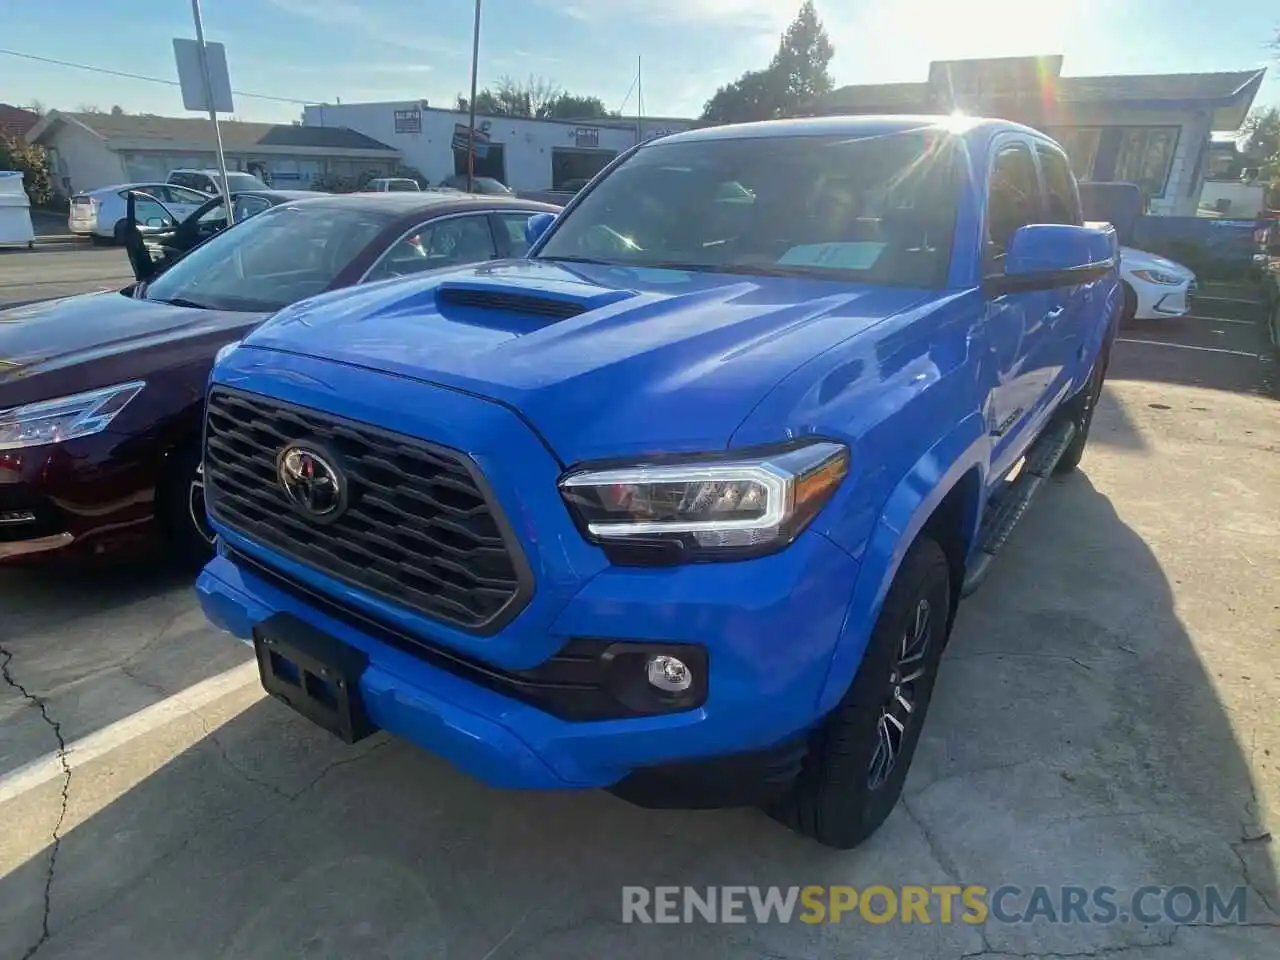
(92, 150)
(526, 155)
(1152, 130)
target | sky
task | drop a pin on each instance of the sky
(371, 50)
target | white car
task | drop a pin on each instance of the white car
(210, 181)
(1154, 288)
(101, 213)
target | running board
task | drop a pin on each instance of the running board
(1008, 507)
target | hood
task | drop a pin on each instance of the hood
(603, 360)
(1131, 258)
(109, 330)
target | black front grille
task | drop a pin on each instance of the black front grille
(419, 528)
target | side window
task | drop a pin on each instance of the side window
(1013, 199)
(1062, 202)
(450, 242)
(181, 179)
(246, 207)
(514, 224)
(148, 212)
(184, 195)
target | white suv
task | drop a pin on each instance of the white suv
(210, 181)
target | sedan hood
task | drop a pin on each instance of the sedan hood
(1131, 258)
(602, 360)
(99, 335)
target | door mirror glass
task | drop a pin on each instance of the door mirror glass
(536, 226)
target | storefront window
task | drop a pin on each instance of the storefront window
(1146, 153)
(1081, 146)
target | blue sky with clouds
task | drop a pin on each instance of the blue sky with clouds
(399, 49)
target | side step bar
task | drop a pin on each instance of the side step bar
(1008, 507)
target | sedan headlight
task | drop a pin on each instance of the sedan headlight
(706, 509)
(64, 418)
(1155, 276)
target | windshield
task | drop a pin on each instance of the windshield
(876, 209)
(280, 256)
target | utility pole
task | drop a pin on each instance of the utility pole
(213, 113)
(471, 104)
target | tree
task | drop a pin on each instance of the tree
(117, 111)
(798, 74)
(33, 160)
(1262, 134)
(536, 98)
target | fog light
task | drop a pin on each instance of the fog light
(669, 674)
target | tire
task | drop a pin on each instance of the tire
(844, 790)
(1130, 308)
(1082, 410)
(180, 508)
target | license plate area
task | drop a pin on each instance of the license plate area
(314, 673)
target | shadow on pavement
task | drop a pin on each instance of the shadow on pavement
(1075, 739)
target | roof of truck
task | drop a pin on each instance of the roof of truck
(860, 126)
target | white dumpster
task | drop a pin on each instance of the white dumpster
(15, 211)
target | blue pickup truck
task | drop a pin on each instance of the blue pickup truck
(682, 504)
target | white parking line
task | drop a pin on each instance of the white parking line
(1187, 346)
(87, 749)
(1245, 323)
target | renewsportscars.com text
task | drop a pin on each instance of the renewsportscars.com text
(935, 904)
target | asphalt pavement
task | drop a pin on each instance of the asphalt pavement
(1105, 717)
(60, 270)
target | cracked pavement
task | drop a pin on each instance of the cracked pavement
(1105, 716)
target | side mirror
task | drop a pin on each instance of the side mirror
(537, 225)
(157, 222)
(1041, 256)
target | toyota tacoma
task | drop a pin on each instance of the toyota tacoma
(681, 504)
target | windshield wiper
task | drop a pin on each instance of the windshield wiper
(181, 302)
(591, 260)
(740, 269)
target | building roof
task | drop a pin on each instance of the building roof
(15, 122)
(192, 133)
(1228, 94)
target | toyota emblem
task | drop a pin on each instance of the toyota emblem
(310, 480)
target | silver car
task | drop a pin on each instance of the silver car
(101, 213)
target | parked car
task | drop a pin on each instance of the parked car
(101, 395)
(393, 185)
(100, 213)
(484, 186)
(163, 237)
(210, 181)
(1155, 288)
(682, 504)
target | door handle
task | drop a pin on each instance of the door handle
(1054, 314)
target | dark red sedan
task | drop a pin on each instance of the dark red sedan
(102, 395)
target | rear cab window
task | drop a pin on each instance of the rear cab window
(1062, 199)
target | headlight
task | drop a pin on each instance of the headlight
(51, 421)
(225, 351)
(708, 509)
(1155, 276)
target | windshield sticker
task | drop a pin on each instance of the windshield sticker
(835, 256)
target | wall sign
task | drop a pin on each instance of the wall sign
(587, 136)
(408, 121)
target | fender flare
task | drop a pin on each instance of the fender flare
(902, 517)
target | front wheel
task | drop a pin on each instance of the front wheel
(858, 758)
(181, 508)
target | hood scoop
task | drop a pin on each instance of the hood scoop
(544, 301)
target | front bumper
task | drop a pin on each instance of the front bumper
(769, 627)
(65, 495)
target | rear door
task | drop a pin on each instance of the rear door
(1067, 319)
(1014, 325)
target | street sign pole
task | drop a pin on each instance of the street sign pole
(213, 112)
(471, 104)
